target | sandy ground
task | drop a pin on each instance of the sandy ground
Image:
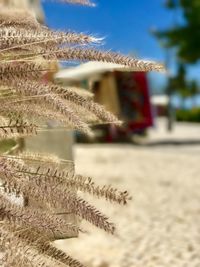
(161, 225)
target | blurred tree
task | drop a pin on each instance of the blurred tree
(185, 37)
(181, 86)
(179, 83)
(194, 89)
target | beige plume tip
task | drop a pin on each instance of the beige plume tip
(96, 40)
(160, 68)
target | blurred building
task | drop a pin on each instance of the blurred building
(160, 104)
(125, 93)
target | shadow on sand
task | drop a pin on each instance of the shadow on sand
(173, 142)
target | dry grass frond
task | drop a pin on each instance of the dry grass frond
(31, 183)
(82, 92)
(42, 169)
(51, 225)
(54, 96)
(23, 70)
(29, 88)
(86, 54)
(38, 114)
(55, 176)
(55, 197)
(70, 95)
(34, 112)
(30, 247)
(32, 108)
(12, 37)
(77, 2)
(56, 93)
(21, 254)
(77, 182)
(42, 158)
(111, 194)
(125, 63)
(27, 51)
(17, 128)
(85, 115)
(17, 18)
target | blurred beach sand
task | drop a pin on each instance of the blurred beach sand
(161, 225)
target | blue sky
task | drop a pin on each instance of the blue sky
(125, 24)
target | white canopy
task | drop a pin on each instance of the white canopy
(160, 100)
(88, 70)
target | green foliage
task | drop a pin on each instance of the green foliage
(185, 37)
(171, 4)
(192, 115)
(180, 85)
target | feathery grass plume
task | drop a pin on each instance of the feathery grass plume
(17, 253)
(77, 2)
(82, 54)
(38, 241)
(78, 182)
(68, 94)
(32, 108)
(54, 176)
(16, 129)
(23, 70)
(36, 113)
(89, 213)
(20, 250)
(87, 54)
(29, 88)
(53, 226)
(12, 37)
(39, 168)
(56, 197)
(82, 92)
(54, 94)
(86, 184)
(68, 202)
(48, 159)
(47, 164)
(87, 116)
(27, 51)
(18, 18)
(30, 185)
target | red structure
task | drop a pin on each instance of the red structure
(134, 100)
